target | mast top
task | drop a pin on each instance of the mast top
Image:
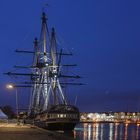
(53, 32)
(44, 18)
(35, 41)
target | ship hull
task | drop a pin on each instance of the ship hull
(61, 126)
(64, 126)
(59, 117)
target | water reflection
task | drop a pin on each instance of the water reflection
(116, 131)
(94, 131)
(126, 131)
(111, 131)
(137, 132)
(107, 131)
(95, 134)
(89, 131)
(85, 131)
(121, 131)
(102, 131)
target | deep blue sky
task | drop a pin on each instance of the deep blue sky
(104, 36)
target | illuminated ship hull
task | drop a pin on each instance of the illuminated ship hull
(59, 117)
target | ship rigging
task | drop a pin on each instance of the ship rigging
(48, 105)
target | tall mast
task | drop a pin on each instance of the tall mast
(36, 53)
(41, 69)
(44, 32)
(53, 47)
(54, 66)
(46, 70)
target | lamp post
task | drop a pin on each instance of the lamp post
(11, 86)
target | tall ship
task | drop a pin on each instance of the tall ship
(49, 107)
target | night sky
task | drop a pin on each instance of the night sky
(104, 36)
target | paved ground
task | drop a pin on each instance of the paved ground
(27, 132)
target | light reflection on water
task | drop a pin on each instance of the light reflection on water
(107, 131)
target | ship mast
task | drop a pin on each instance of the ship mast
(54, 67)
(46, 68)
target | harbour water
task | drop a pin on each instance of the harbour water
(107, 131)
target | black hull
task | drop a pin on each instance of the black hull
(64, 126)
(58, 117)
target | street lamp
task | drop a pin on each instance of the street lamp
(11, 86)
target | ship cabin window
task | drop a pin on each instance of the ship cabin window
(62, 115)
(53, 115)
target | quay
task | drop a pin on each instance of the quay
(12, 131)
